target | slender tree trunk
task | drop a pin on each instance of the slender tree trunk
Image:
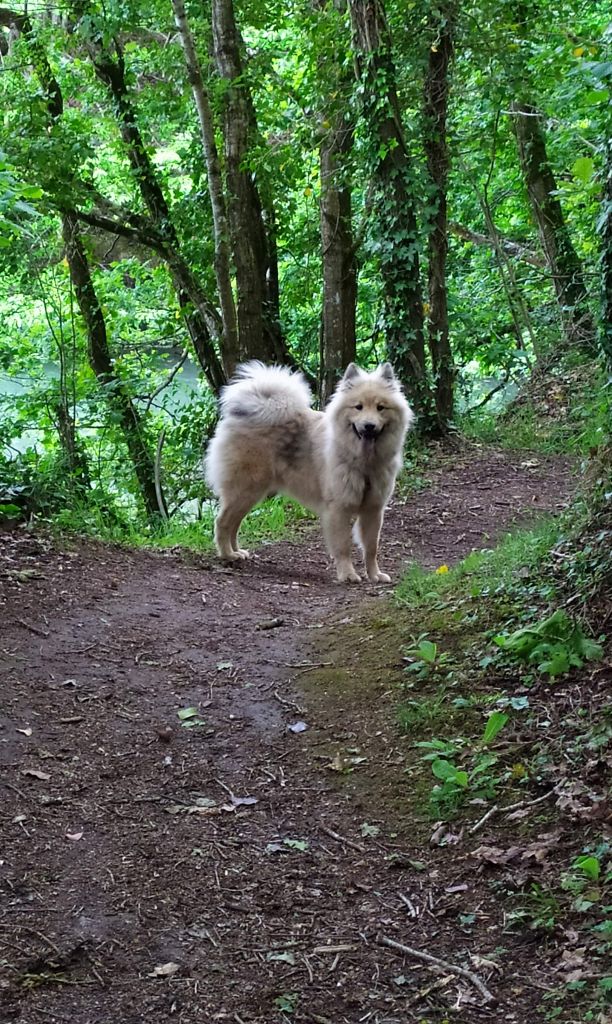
(229, 342)
(75, 458)
(339, 264)
(201, 318)
(561, 257)
(259, 331)
(337, 341)
(436, 90)
(102, 363)
(605, 227)
(396, 207)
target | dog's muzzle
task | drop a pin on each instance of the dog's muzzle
(368, 432)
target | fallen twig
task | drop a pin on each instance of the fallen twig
(33, 629)
(307, 666)
(9, 785)
(495, 809)
(288, 703)
(441, 965)
(435, 985)
(340, 839)
(412, 910)
(34, 931)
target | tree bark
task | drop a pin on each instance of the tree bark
(561, 257)
(102, 363)
(605, 229)
(398, 243)
(74, 455)
(259, 330)
(338, 250)
(201, 318)
(338, 343)
(436, 90)
(229, 341)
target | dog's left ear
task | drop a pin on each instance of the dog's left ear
(352, 371)
(386, 371)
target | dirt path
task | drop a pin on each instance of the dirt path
(219, 870)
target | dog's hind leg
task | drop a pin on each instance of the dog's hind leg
(337, 529)
(367, 529)
(232, 512)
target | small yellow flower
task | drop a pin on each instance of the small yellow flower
(518, 771)
(441, 570)
(578, 52)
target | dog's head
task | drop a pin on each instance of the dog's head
(368, 405)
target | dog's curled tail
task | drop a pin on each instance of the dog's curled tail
(265, 394)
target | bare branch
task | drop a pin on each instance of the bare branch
(516, 249)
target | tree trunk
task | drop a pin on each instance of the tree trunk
(259, 331)
(337, 341)
(398, 243)
(102, 365)
(436, 89)
(229, 342)
(201, 318)
(339, 264)
(561, 257)
(605, 228)
(74, 455)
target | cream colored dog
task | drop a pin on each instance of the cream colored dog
(341, 463)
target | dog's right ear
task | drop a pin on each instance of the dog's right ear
(350, 373)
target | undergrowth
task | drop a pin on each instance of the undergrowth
(505, 705)
(274, 519)
(564, 411)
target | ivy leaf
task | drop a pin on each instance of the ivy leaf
(583, 168)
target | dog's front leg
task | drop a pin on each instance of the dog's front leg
(369, 525)
(337, 530)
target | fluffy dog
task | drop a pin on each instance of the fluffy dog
(341, 463)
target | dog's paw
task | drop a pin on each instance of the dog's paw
(240, 554)
(379, 577)
(234, 556)
(349, 577)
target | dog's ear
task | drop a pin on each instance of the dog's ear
(386, 371)
(352, 371)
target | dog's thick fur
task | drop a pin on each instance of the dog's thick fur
(341, 463)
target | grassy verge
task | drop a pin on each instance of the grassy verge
(274, 519)
(505, 701)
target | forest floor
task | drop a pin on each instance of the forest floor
(205, 813)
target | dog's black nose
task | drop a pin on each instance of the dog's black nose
(368, 429)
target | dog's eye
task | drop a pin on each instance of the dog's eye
(381, 408)
(359, 405)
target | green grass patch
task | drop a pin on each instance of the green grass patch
(482, 572)
(274, 519)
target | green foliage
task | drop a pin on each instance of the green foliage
(568, 413)
(554, 645)
(300, 69)
(463, 772)
(482, 573)
(15, 204)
